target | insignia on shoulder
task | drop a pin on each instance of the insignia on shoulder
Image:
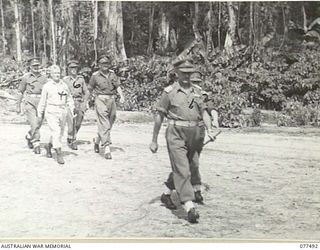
(168, 89)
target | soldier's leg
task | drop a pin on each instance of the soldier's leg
(53, 120)
(54, 124)
(79, 120)
(80, 108)
(113, 113)
(196, 145)
(103, 121)
(34, 132)
(70, 127)
(103, 106)
(180, 164)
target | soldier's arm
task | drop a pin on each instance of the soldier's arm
(119, 90)
(42, 102)
(70, 102)
(91, 84)
(162, 109)
(207, 122)
(85, 91)
(158, 119)
(21, 89)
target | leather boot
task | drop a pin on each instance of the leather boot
(60, 159)
(48, 147)
(96, 146)
(37, 150)
(30, 145)
(74, 145)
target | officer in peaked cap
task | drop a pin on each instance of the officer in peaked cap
(30, 88)
(80, 94)
(104, 85)
(187, 116)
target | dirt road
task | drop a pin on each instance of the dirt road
(258, 185)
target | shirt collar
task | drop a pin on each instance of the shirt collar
(183, 90)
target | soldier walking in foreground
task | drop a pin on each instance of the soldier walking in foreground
(187, 114)
(55, 103)
(80, 94)
(104, 85)
(30, 88)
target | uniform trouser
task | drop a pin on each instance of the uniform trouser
(74, 124)
(105, 106)
(34, 132)
(56, 118)
(184, 147)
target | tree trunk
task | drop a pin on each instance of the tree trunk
(113, 30)
(17, 30)
(164, 31)
(53, 37)
(32, 27)
(44, 33)
(231, 37)
(151, 26)
(251, 31)
(3, 29)
(95, 29)
(195, 25)
(209, 35)
(219, 25)
(305, 28)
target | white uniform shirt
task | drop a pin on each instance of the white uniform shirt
(55, 96)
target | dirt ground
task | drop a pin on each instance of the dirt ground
(258, 184)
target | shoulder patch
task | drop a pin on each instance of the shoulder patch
(197, 86)
(168, 89)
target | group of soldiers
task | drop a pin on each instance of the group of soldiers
(65, 100)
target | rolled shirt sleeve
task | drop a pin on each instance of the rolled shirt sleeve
(163, 104)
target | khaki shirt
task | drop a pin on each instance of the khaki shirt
(77, 86)
(102, 84)
(32, 84)
(180, 104)
(55, 96)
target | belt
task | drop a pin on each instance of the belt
(33, 94)
(106, 95)
(186, 123)
(78, 98)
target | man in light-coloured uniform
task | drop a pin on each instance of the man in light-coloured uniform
(30, 88)
(55, 103)
(104, 85)
(80, 94)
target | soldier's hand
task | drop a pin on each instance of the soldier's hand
(211, 135)
(122, 100)
(18, 109)
(153, 147)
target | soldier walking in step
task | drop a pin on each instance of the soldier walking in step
(104, 85)
(80, 94)
(55, 104)
(183, 105)
(30, 89)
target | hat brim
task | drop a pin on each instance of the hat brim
(187, 70)
(35, 64)
(196, 80)
(73, 66)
